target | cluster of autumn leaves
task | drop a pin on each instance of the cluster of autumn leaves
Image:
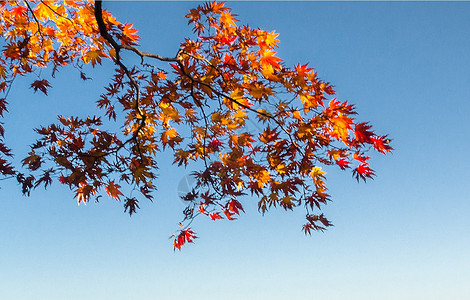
(198, 108)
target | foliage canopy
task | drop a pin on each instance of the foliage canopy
(197, 107)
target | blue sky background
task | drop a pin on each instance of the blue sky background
(404, 235)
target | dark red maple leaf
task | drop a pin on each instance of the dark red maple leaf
(235, 206)
(362, 133)
(214, 145)
(132, 204)
(41, 85)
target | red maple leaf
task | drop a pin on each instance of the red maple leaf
(381, 144)
(215, 216)
(229, 214)
(227, 39)
(18, 11)
(63, 179)
(183, 237)
(363, 171)
(202, 210)
(343, 163)
(214, 145)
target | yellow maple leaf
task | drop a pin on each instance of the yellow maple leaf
(169, 112)
(318, 176)
(170, 137)
(257, 91)
(93, 56)
(341, 126)
(271, 39)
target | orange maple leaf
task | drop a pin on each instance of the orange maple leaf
(130, 35)
(268, 59)
(170, 137)
(112, 189)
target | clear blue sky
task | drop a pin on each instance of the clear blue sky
(405, 235)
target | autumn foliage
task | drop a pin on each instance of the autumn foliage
(197, 108)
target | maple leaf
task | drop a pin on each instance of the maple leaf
(6, 168)
(225, 40)
(63, 179)
(45, 178)
(342, 163)
(184, 236)
(381, 144)
(3, 106)
(26, 182)
(130, 36)
(341, 125)
(33, 161)
(214, 145)
(228, 214)
(190, 196)
(5, 150)
(207, 197)
(271, 39)
(287, 203)
(193, 16)
(182, 157)
(201, 209)
(312, 223)
(112, 189)
(303, 70)
(215, 216)
(131, 204)
(170, 137)
(216, 7)
(235, 206)
(363, 159)
(41, 85)
(93, 56)
(268, 59)
(227, 19)
(19, 11)
(362, 133)
(363, 171)
(307, 228)
(83, 192)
